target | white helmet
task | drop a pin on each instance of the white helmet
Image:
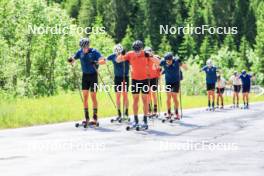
(118, 49)
(209, 63)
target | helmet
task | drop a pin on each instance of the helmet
(147, 51)
(168, 56)
(84, 42)
(243, 72)
(209, 63)
(118, 49)
(137, 45)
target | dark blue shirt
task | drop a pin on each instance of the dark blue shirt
(87, 60)
(246, 80)
(172, 72)
(211, 76)
(120, 69)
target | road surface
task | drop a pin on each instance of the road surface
(228, 142)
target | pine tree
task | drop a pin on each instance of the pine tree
(164, 46)
(128, 39)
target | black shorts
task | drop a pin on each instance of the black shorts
(210, 86)
(173, 87)
(119, 87)
(220, 90)
(89, 82)
(154, 84)
(138, 86)
(245, 89)
(237, 88)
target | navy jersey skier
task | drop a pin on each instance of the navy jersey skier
(246, 85)
(121, 81)
(173, 76)
(89, 58)
(211, 78)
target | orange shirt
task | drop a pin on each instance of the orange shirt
(139, 65)
(154, 70)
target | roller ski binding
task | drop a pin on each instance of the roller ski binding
(87, 124)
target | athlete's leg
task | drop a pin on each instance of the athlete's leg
(135, 106)
(169, 102)
(118, 103)
(176, 102)
(125, 101)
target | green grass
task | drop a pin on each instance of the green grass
(68, 107)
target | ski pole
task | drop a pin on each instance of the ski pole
(180, 91)
(104, 85)
(76, 79)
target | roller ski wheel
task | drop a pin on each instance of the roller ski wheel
(82, 124)
(142, 127)
(131, 127)
(167, 118)
(115, 120)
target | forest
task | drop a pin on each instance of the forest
(35, 64)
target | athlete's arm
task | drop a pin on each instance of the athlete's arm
(101, 61)
(155, 59)
(121, 57)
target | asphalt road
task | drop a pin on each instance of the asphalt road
(227, 142)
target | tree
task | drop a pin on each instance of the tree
(128, 39)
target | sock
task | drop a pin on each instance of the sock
(150, 109)
(213, 104)
(169, 111)
(119, 112)
(145, 119)
(155, 108)
(209, 103)
(126, 112)
(247, 103)
(86, 113)
(95, 113)
(176, 111)
(136, 119)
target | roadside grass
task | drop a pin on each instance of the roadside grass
(68, 107)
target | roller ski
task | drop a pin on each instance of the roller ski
(138, 127)
(245, 107)
(168, 117)
(87, 124)
(210, 109)
(120, 119)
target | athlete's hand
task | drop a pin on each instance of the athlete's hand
(71, 60)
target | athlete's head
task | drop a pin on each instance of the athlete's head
(209, 63)
(235, 73)
(148, 51)
(84, 44)
(118, 49)
(137, 46)
(218, 77)
(244, 72)
(168, 58)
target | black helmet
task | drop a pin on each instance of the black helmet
(84, 42)
(168, 56)
(137, 45)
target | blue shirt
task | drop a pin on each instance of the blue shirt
(120, 69)
(211, 76)
(246, 80)
(87, 60)
(172, 72)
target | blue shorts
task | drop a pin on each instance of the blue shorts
(245, 89)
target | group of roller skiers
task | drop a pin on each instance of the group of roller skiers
(146, 70)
